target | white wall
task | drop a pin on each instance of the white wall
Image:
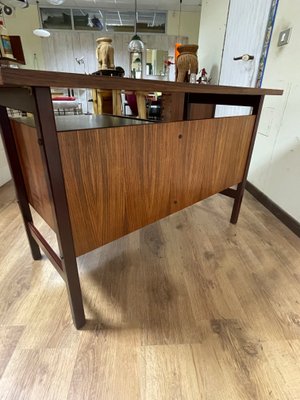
(184, 24)
(211, 36)
(22, 23)
(275, 167)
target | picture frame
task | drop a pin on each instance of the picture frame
(5, 47)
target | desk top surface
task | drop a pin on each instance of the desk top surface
(85, 122)
(11, 77)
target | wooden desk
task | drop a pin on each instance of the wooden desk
(95, 179)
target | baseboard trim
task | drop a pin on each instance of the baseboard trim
(282, 215)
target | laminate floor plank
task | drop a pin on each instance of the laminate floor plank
(168, 372)
(38, 374)
(190, 307)
(105, 369)
(9, 337)
(234, 365)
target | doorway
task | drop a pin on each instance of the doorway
(246, 43)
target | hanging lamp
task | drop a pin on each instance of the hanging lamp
(40, 32)
(136, 44)
(56, 2)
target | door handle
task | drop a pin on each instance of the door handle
(244, 57)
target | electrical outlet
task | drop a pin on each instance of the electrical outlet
(284, 37)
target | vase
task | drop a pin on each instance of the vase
(187, 62)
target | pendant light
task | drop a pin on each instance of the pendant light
(40, 32)
(56, 2)
(136, 44)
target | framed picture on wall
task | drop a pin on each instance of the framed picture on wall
(5, 47)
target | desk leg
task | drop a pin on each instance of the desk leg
(47, 136)
(141, 104)
(237, 202)
(15, 168)
(239, 193)
(117, 102)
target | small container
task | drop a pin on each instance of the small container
(193, 78)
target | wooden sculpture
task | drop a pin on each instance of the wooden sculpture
(105, 53)
(187, 62)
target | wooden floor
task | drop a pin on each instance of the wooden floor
(187, 308)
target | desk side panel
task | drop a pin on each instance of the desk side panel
(34, 171)
(119, 180)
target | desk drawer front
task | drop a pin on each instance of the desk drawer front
(121, 179)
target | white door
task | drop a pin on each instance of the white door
(245, 35)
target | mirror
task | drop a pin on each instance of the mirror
(155, 62)
(136, 63)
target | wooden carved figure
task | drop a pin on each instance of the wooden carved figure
(105, 53)
(187, 62)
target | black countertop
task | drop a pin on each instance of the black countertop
(83, 122)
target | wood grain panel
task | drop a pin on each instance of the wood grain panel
(201, 111)
(212, 156)
(172, 107)
(119, 180)
(33, 170)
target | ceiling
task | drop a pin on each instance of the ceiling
(173, 5)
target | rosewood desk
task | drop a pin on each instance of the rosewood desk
(94, 179)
